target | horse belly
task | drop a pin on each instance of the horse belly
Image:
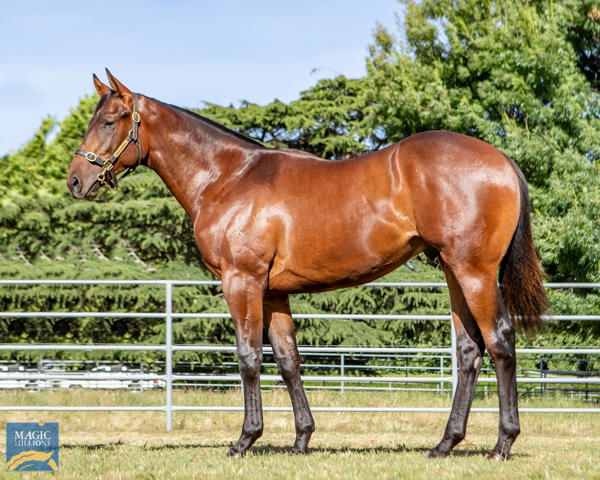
(316, 264)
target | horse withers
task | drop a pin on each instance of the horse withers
(273, 222)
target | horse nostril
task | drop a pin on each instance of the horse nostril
(75, 184)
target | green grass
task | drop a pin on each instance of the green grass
(345, 445)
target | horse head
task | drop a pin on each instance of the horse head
(105, 150)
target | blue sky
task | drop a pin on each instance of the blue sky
(181, 52)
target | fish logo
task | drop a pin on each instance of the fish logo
(32, 447)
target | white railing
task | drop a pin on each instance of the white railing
(168, 378)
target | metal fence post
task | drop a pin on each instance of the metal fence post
(169, 352)
(441, 387)
(454, 359)
(342, 372)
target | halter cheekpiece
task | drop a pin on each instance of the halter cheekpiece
(107, 176)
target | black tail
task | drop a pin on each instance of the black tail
(520, 273)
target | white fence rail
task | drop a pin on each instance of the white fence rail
(168, 378)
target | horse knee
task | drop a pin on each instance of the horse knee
(250, 364)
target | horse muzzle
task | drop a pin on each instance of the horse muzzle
(79, 190)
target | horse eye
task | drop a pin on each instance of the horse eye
(108, 123)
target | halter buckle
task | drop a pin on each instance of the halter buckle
(135, 116)
(91, 157)
(102, 178)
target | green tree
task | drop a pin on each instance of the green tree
(506, 72)
(334, 119)
(582, 24)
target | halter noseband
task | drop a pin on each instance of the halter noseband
(107, 165)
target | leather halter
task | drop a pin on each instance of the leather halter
(107, 165)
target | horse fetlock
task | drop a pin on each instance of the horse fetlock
(301, 443)
(249, 435)
(510, 431)
(252, 432)
(455, 436)
(305, 429)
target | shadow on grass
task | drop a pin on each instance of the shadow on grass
(94, 446)
(265, 449)
(269, 449)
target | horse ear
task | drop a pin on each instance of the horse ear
(101, 88)
(117, 86)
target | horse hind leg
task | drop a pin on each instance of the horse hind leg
(480, 289)
(469, 350)
(280, 329)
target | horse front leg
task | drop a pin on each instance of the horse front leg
(244, 295)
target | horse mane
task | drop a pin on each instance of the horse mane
(218, 126)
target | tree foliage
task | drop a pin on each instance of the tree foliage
(510, 73)
(334, 119)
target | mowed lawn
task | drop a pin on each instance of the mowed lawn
(345, 445)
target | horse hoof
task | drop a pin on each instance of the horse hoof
(435, 453)
(234, 452)
(298, 451)
(496, 456)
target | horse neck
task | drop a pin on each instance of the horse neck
(190, 154)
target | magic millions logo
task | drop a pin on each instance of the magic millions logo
(32, 447)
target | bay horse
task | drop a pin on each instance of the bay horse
(271, 222)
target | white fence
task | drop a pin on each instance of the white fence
(168, 378)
